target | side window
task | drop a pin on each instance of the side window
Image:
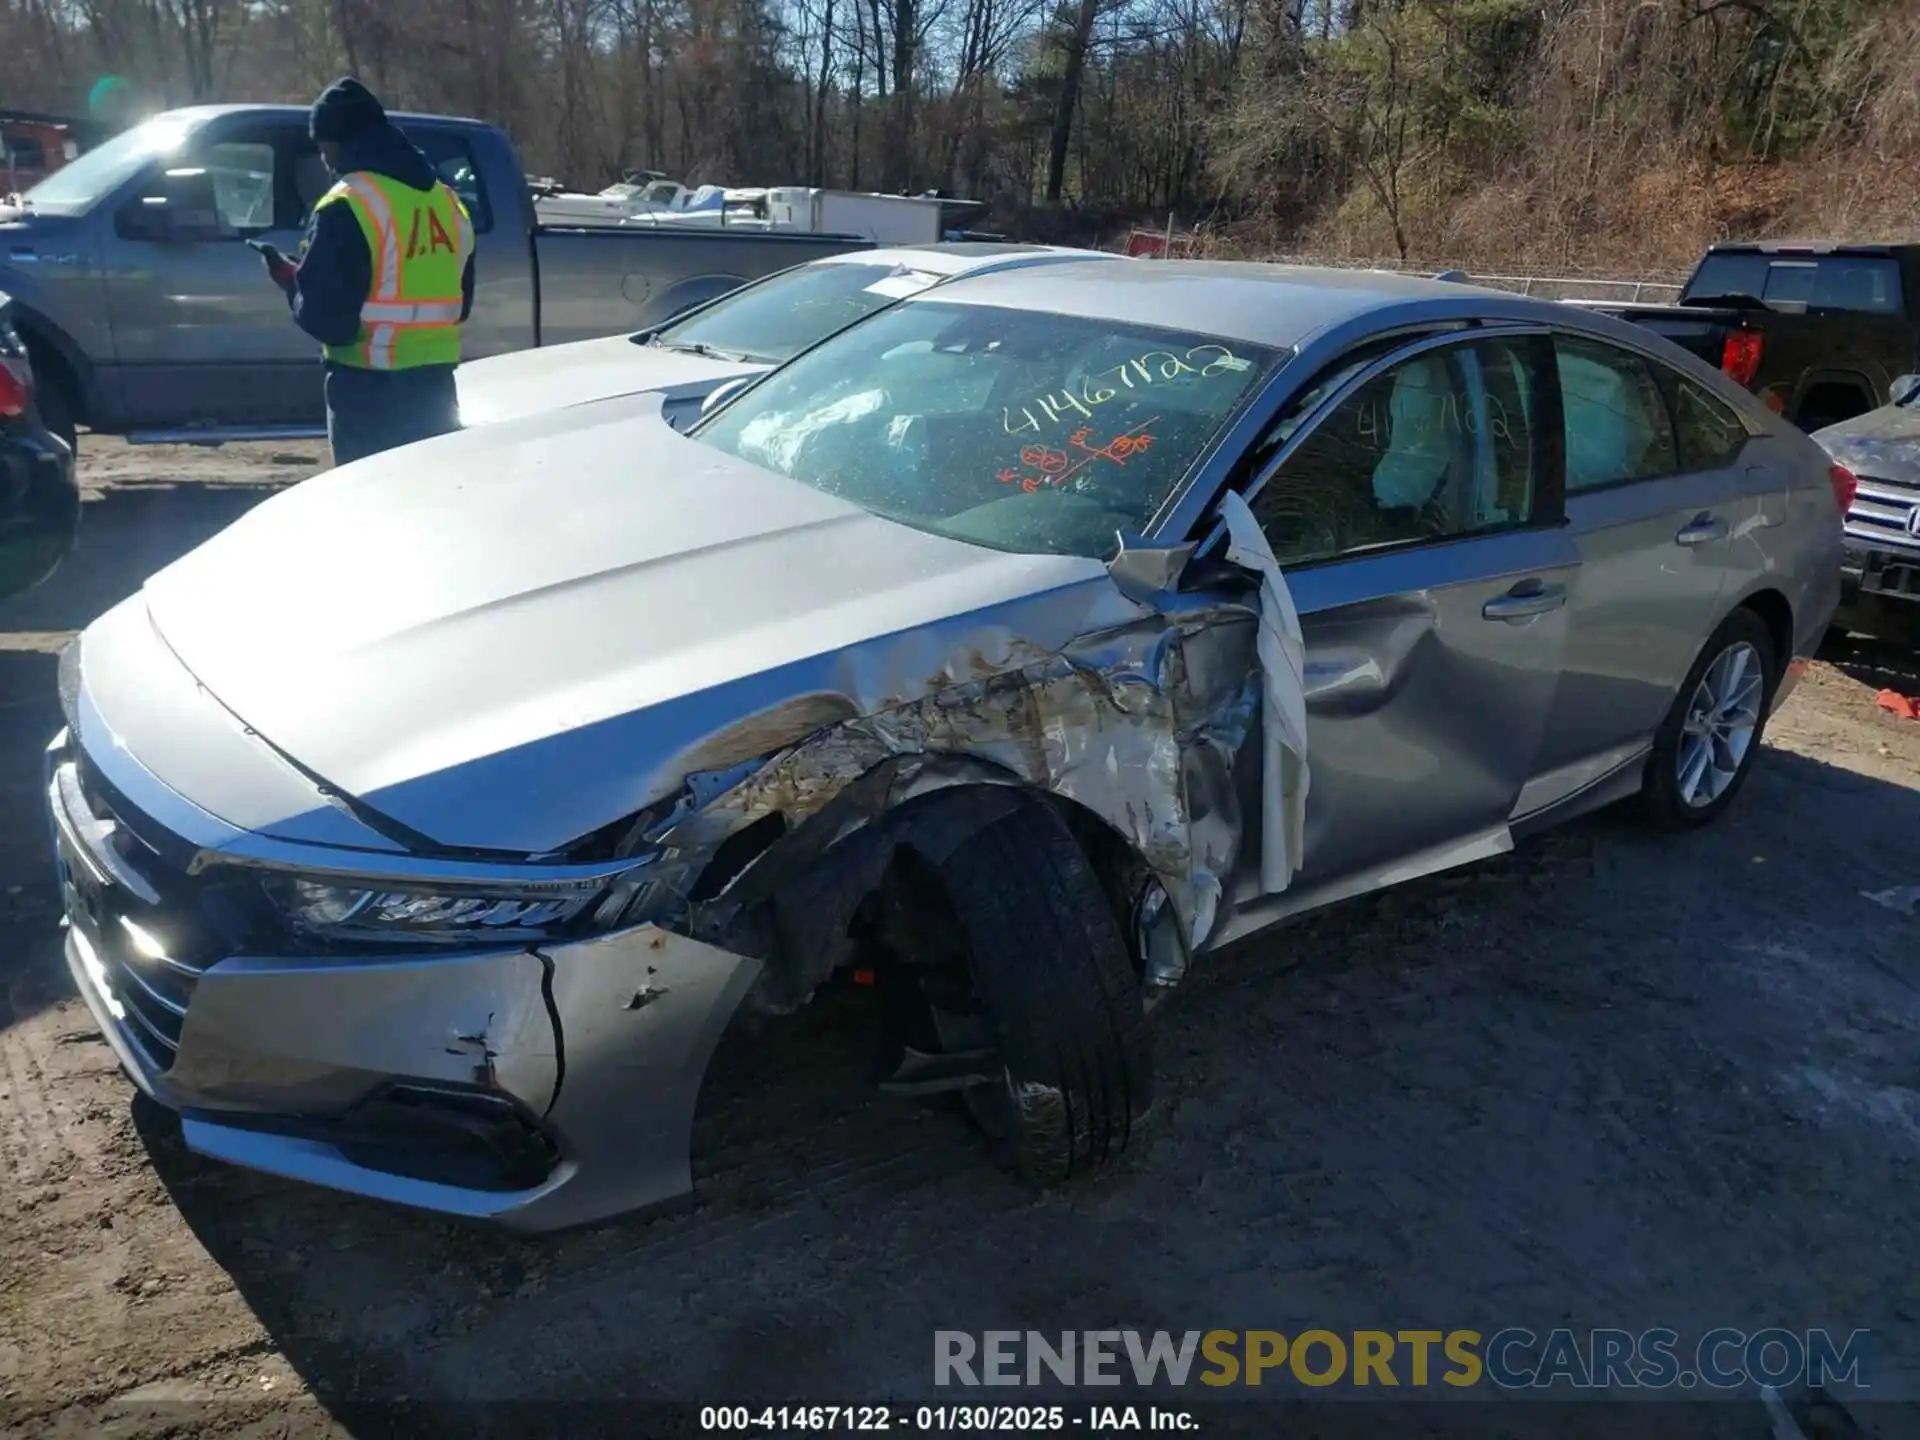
(1437, 447)
(25, 151)
(1863, 284)
(1868, 285)
(311, 180)
(1708, 433)
(1617, 427)
(242, 172)
(453, 161)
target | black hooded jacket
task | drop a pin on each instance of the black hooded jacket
(336, 268)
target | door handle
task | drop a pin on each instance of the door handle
(1701, 529)
(1526, 599)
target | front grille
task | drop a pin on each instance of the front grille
(149, 927)
(1881, 513)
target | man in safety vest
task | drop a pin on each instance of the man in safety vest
(384, 281)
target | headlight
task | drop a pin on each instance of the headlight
(631, 880)
(508, 912)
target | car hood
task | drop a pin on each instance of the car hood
(506, 387)
(509, 637)
(1883, 443)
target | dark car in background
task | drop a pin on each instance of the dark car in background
(1880, 561)
(1820, 332)
(39, 500)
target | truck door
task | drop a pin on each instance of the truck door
(502, 318)
(201, 335)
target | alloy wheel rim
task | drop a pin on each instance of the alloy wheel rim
(1723, 716)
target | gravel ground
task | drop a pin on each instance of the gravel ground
(1609, 1080)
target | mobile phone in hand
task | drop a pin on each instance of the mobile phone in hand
(279, 267)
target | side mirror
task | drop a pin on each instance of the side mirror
(181, 210)
(1904, 389)
(1145, 570)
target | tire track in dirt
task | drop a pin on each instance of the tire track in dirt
(30, 1142)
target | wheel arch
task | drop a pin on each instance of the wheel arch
(1776, 612)
(793, 893)
(54, 353)
(1852, 386)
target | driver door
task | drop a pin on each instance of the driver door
(199, 330)
(1417, 525)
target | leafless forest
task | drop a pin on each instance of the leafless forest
(1598, 133)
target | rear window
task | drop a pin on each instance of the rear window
(784, 314)
(1016, 429)
(1861, 284)
(24, 151)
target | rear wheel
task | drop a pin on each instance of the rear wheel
(1706, 747)
(1022, 978)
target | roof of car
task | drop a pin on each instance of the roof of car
(198, 113)
(959, 257)
(1260, 303)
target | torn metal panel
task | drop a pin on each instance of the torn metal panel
(1285, 779)
(1140, 723)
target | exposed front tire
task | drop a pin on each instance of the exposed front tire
(1707, 745)
(1017, 961)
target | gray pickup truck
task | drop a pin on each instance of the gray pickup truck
(146, 314)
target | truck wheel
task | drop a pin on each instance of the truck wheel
(1706, 747)
(1053, 998)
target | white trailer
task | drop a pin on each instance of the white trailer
(883, 219)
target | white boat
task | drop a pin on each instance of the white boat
(615, 205)
(794, 209)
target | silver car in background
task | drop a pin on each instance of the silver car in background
(1880, 562)
(743, 333)
(437, 876)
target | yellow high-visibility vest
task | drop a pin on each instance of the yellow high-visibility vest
(419, 241)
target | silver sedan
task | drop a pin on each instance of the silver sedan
(423, 832)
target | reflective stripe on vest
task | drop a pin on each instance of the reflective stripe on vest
(419, 243)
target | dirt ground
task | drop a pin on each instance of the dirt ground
(1609, 1080)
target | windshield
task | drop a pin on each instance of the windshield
(775, 320)
(78, 185)
(1018, 429)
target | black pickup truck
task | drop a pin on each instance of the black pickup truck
(1818, 332)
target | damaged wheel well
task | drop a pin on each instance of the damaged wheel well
(793, 896)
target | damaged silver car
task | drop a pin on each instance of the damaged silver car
(422, 833)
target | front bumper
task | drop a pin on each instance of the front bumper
(534, 1086)
(1879, 592)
